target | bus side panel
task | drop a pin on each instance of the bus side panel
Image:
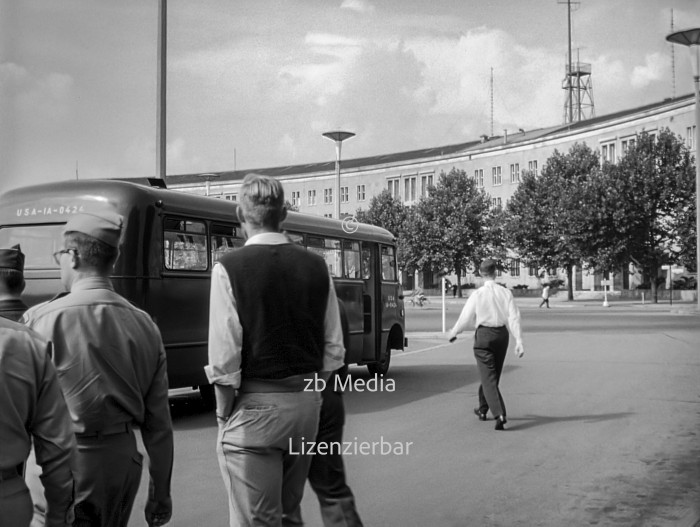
(350, 294)
(180, 306)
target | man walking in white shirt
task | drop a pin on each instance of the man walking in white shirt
(490, 309)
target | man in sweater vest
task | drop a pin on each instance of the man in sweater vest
(274, 327)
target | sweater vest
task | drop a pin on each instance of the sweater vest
(281, 294)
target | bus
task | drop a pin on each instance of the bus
(171, 240)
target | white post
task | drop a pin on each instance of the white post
(443, 304)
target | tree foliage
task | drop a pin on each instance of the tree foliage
(653, 198)
(547, 222)
(446, 230)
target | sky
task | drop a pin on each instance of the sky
(255, 83)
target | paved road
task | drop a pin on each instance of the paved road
(604, 430)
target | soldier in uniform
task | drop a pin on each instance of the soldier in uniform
(112, 369)
(32, 408)
(11, 283)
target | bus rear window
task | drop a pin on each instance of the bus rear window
(38, 243)
(388, 264)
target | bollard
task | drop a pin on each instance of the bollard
(642, 297)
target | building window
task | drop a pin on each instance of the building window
(360, 192)
(515, 173)
(344, 194)
(690, 137)
(394, 188)
(607, 152)
(409, 189)
(496, 177)
(425, 183)
(311, 197)
(296, 198)
(626, 144)
(479, 177)
(231, 197)
(496, 203)
(532, 167)
(327, 195)
(514, 267)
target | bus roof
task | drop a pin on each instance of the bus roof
(30, 204)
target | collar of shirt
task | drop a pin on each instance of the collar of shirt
(92, 282)
(267, 238)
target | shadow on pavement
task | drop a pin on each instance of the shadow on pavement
(412, 383)
(531, 421)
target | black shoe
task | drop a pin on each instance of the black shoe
(500, 422)
(480, 415)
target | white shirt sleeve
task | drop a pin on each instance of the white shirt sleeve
(514, 320)
(225, 332)
(466, 317)
(333, 349)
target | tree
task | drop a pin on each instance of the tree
(546, 222)
(391, 214)
(445, 230)
(384, 211)
(654, 184)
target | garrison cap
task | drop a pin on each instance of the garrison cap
(105, 226)
(12, 258)
(488, 267)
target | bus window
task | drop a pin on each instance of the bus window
(224, 238)
(295, 237)
(388, 264)
(366, 261)
(329, 250)
(38, 243)
(184, 244)
(351, 259)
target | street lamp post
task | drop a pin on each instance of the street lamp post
(691, 38)
(338, 137)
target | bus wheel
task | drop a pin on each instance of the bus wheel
(206, 391)
(381, 367)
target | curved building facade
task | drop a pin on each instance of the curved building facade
(496, 164)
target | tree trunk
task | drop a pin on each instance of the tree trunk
(653, 272)
(459, 283)
(570, 280)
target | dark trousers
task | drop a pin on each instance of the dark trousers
(107, 477)
(490, 349)
(327, 473)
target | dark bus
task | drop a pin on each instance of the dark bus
(169, 244)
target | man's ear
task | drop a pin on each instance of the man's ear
(239, 213)
(283, 216)
(74, 260)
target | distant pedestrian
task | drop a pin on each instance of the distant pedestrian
(32, 411)
(545, 295)
(273, 326)
(454, 290)
(490, 309)
(112, 369)
(12, 283)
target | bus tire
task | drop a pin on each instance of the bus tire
(381, 367)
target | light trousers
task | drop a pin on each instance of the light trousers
(260, 456)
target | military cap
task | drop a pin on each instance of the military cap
(12, 258)
(105, 226)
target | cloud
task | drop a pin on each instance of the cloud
(654, 69)
(359, 6)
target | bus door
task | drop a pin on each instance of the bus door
(371, 308)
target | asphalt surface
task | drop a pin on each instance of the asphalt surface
(603, 430)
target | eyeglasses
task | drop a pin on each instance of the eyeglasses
(57, 255)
